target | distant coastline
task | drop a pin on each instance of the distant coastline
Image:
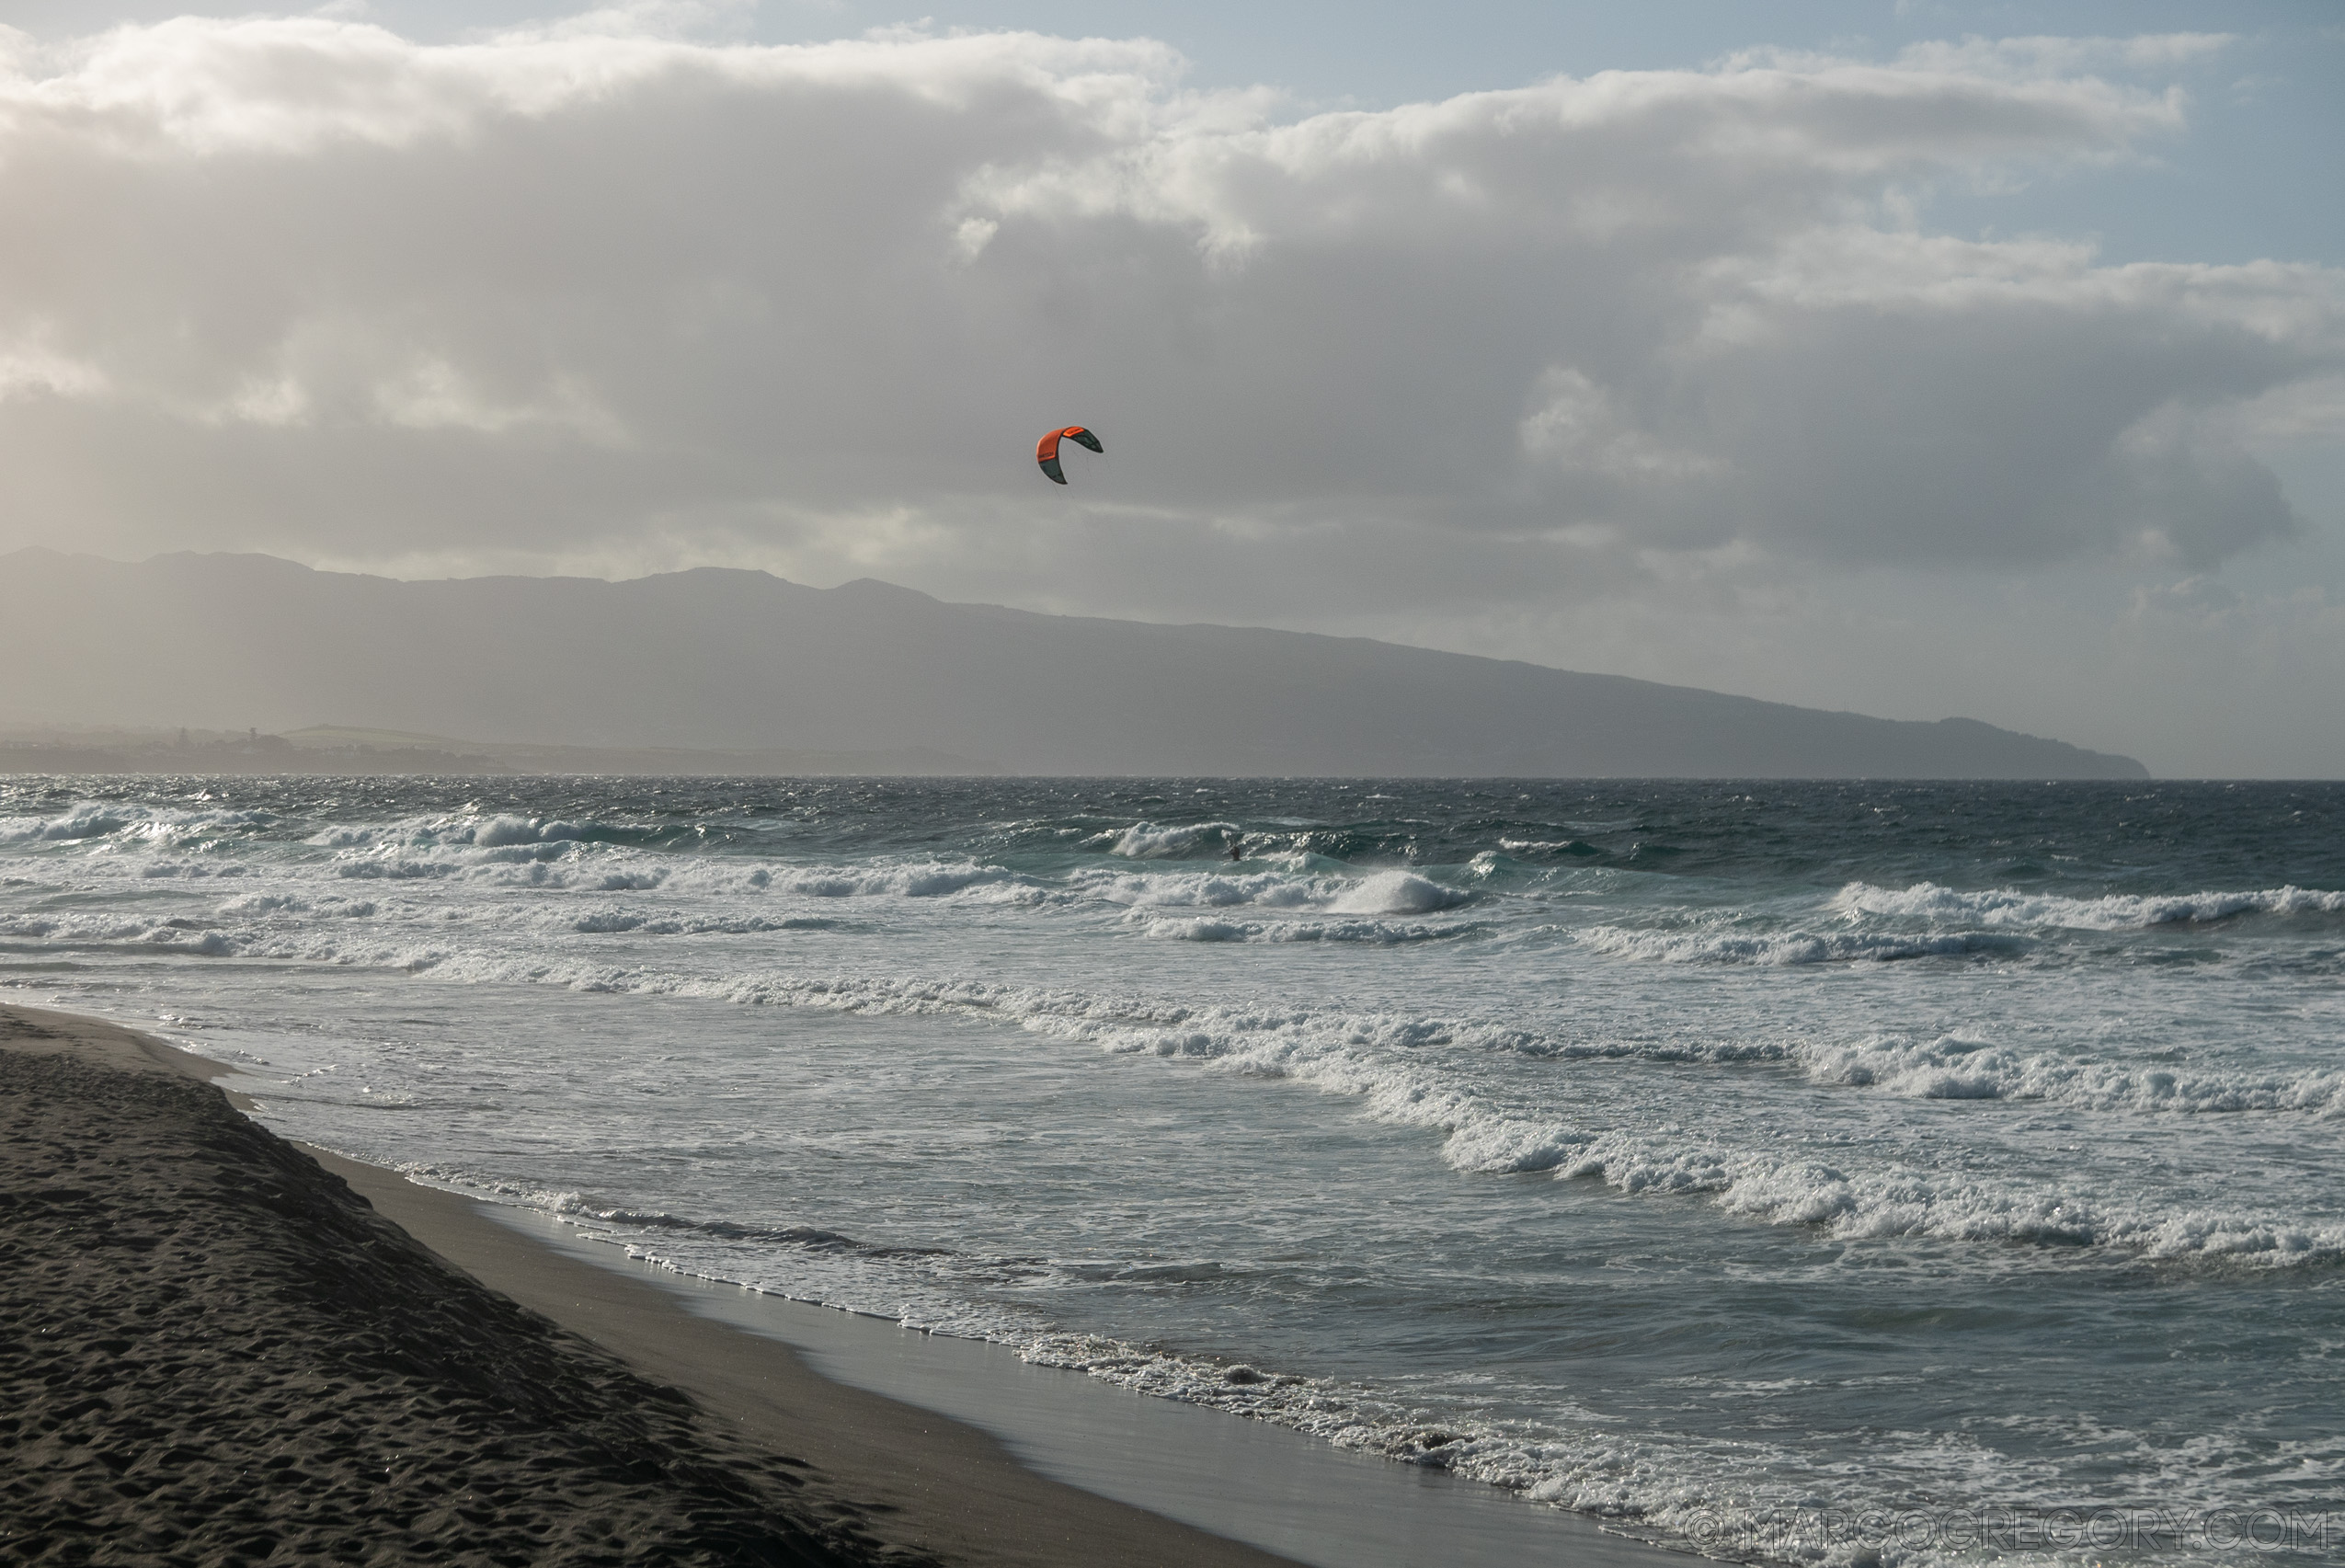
(715, 671)
(333, 751)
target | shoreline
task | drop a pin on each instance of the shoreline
(837, 1475)
(945, 1486)
(920, 1446)
(1288, 1493)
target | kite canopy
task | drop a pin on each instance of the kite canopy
(1045, 451)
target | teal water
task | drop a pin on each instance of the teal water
(1834, 1172)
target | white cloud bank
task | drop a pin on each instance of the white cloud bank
(587, 297)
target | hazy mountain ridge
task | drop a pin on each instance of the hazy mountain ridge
(341, 752)
(743, 662)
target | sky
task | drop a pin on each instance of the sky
(1915, 358)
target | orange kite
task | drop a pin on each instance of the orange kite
(1045, 451)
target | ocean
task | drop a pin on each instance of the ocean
(1852, 1172)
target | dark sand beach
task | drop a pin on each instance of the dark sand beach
(216, 1348)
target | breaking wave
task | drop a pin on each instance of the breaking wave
(1369, 1057)
(2007, 908)
(1791, 947)
(1926, 921)
(1953, 1067)
(1146, 841)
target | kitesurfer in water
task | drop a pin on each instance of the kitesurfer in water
(1237, 846)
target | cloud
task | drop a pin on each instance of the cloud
(600, 293)
(2067, 56)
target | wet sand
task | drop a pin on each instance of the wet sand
(215, 1348)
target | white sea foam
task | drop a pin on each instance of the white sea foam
(1391, 892)
(1205, 889)
(81, 822)
(656, 923)
(1953, 1067)
(258, 906)
(2011, 909)
(1207, 928)
(193, 871)
(516, 852)
(1547, 846)
(502, 830)
(91, 821)
(1397, 893)
(917, 879)
(1926, 921)
(1306, 908)
(1787, 948)
(1146, 841)
(119, 930)
(1366, 1057)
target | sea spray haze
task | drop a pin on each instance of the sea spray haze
(1743, 1162)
